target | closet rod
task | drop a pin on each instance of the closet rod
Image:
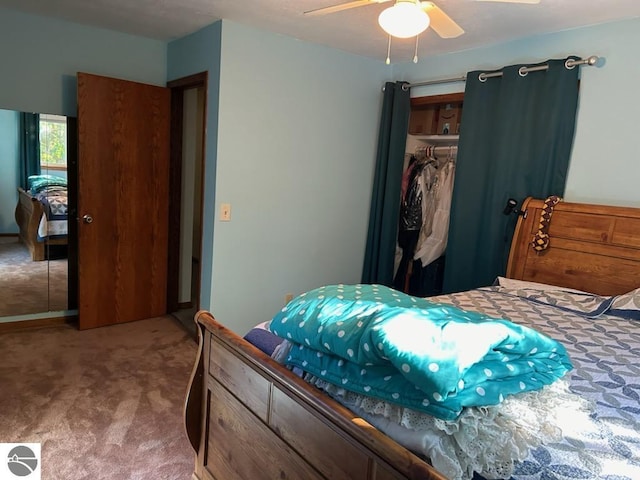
(437, 151)
(590, 61)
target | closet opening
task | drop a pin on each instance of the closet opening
(427, 186)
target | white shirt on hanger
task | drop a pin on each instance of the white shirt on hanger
(432, 247)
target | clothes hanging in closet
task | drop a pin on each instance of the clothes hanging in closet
(424, 220)
(432, 246)
(416, 214)
(410, 221)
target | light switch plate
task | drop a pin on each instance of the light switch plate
(225, 212)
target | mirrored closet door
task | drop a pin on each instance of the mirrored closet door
(34, 203)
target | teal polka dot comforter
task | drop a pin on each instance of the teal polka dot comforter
(432, 357)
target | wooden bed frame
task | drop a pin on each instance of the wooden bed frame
(595, 248)
(29, 211)
(248, 417)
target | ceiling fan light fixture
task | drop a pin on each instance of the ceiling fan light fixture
(405, 19)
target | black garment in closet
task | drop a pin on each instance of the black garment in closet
(410, 224)
(426, 281)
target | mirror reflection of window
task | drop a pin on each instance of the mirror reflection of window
(53, 161)
(53, 143)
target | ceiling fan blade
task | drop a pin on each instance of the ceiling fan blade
(512, 1)
(343, 6)
(441, 22)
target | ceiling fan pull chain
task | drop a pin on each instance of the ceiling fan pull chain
(389, 51)
(415, 53)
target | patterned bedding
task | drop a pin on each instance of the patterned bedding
(605, 353)
(598, 443)
(53, 223)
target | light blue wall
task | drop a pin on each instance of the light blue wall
(605, 164)
(296, 147)
(41, 56)
(200, 52)
(9, 122)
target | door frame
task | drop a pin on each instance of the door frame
(178, 88)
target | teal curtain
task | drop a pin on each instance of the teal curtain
(385, 201)
(29, 146)
(515, 141)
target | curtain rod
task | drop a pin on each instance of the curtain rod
(483, 76)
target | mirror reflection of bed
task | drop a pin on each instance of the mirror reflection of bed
(33, 264)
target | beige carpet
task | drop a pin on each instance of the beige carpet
(27, 286)
(104, 403)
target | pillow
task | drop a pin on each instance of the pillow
(626, 305)
(514, 284)
(37, 183)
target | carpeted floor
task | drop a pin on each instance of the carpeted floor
(104, 403)
(27, 286)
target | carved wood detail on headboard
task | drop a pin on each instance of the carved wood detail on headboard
(595, 248)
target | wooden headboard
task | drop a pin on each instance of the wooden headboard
(595, 248)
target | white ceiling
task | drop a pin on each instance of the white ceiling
(354, 30)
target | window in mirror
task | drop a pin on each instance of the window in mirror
(53, 142)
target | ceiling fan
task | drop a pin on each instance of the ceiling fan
(413, 16)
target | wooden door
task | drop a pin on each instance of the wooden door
(123, 196)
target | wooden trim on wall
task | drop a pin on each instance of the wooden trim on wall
(175, 199)
(37, 323)
(191, 81)
(418, 102)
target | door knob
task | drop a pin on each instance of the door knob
(87, 219)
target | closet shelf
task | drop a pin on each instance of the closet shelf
(438, 139)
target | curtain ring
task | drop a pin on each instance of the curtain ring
(522, 71)
(482, 77)
(569, 64)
